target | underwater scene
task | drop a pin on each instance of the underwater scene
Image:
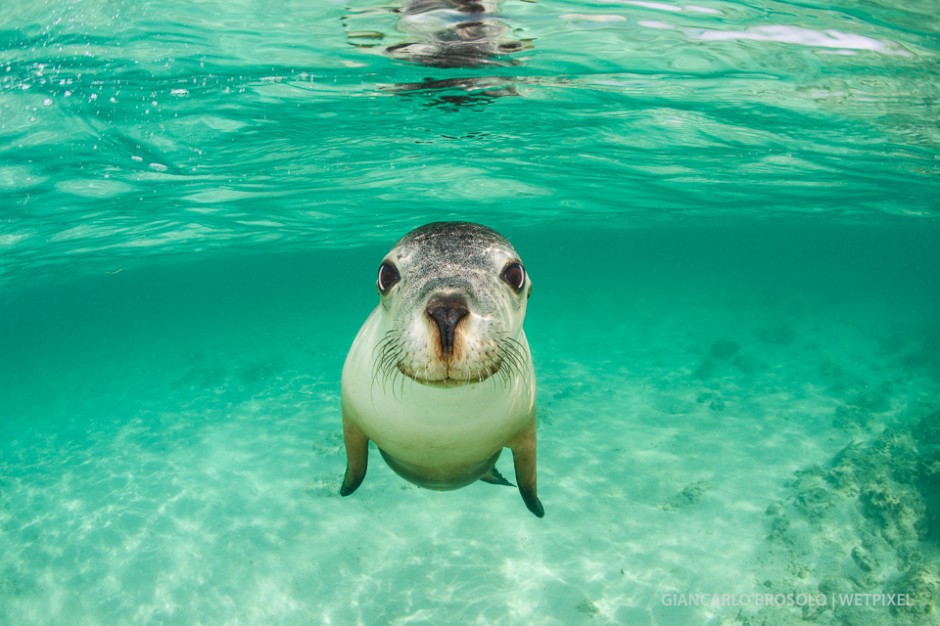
(728, 214)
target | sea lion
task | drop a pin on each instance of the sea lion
(440, 376)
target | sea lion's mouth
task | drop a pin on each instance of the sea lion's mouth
(451, 379)
(504, 360)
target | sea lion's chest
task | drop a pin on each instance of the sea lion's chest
(417, 422)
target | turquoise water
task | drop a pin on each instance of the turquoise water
(729, 214)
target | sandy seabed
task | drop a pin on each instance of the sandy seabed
(183, 468)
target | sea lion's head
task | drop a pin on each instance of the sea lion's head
(453, 299)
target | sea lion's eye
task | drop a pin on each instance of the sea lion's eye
(388, 276)
(514, 275)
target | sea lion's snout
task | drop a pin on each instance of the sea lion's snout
(447, 310)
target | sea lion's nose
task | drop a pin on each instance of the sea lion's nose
(447, 311)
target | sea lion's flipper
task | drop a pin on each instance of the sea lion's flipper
(493, 477)
(357, 456)
(523, 458)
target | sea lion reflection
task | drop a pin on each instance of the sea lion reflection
(455, 33)
(450, 34)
